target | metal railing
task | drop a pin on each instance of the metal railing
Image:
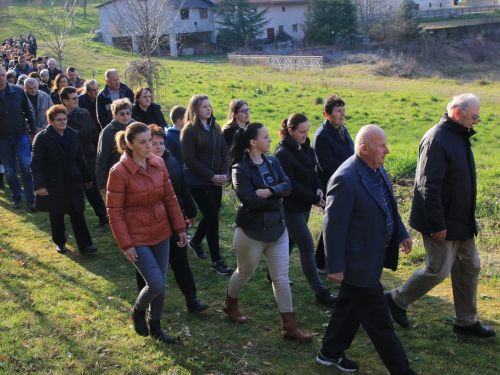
(278, 62)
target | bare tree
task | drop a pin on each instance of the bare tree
(53, 27)
(367, 10)
(147, 22)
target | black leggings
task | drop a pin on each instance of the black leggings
(209, 201)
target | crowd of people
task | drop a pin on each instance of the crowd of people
(81, 141)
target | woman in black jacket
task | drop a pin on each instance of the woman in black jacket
(238, 117)
(60, 82)
(205, 155)
(260, 185)
(299, 164)
(59, 173)
(145, 111)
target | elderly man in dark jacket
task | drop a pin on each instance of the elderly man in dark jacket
(88, 100)
(15, 111)
(80, 120)
(443, 210)
(112, 91)
(362, 231)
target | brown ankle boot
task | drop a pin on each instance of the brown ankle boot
(290, 330)
(230, 307)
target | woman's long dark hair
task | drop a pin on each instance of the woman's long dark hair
(241, 143)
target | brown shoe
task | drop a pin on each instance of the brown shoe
(230, 307)
(290, 330)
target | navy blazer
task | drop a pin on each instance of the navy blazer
(331, 150)
(355, 226)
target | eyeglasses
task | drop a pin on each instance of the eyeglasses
(63, 119)
(75, 98)
(127, 113)
(245, 111)
(474, 117)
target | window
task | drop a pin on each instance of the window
(203, 13)
(184, 14)
(416, 7)
(282, 9)
(295, 27)
(440, 5)
(430, 5)
(280, 29)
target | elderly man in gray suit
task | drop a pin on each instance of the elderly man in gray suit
(362, 233)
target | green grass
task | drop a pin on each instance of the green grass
(68, 314)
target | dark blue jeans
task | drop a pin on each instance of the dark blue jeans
(152, 263)
(14, 150)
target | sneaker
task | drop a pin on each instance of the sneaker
(476, 329)
(221, 268)
(16, 205)
(31, 206)
(342, 363)
(197, 250)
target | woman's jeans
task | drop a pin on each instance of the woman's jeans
(209, 201)
(299, 234)
(152, 263)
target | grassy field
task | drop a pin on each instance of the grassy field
(68, 314)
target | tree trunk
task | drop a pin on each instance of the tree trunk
(85, 9)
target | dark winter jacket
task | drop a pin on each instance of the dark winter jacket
(104, 115)
(228, 134)
(255, 212)
(299, 166)
(209, 158)
(27, 70)
(150, 116)
(331, 150)
(62, 174)
(54, 96)
(15, 110)
(107, 154)
(173, 144)
(84, 102)
(184, 198)
(88, 134)
(445, 182)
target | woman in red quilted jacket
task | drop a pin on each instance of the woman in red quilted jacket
(141, 205)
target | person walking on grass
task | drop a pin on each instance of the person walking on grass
(143, 214)
(362, 231)
(260, 184)
(443, 211)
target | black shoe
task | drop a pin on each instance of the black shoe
(326, 298)
(61, 248)
(139, 319)
(221, 268)
(103, 220)
(156, 333)
(16, 205)
(31, 206)
(342, 363)
(397, 313)
(89, 250)
(269, 280)
(195, 305)
(197, 250)
(476, 329)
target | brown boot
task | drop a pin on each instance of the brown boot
(230, 307)
(290, 330)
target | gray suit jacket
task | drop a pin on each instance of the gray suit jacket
(355, 226)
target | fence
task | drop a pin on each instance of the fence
(279, 62)
(443, 12)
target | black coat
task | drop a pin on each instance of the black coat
(299, 166)
(228, 134)
(104, 115)
(88, 134)
(152, 115)
(63, 175)
(255, 212)
(445, 183)
(54, 95)
(331, 150)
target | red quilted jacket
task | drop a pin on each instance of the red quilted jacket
(141, 202)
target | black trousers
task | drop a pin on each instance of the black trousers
(80, 230)
(320, 253)
(367, 307)
(95, 199)
(209, 201)
(180, 266)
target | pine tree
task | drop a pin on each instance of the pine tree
(240, 23)
(408, 21)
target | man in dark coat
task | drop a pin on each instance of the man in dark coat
(112, 91)
(88, 100)
(443, 211)
(362, 231)
(23, 67)
(80, 120)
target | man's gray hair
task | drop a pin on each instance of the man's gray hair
(51, 60)
(462, 101)
(44, 71)
(91, 82)
(365, 136)
(109, 71)
(30, 81)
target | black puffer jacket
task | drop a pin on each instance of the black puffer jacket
(299, 166)
(255, 212)
(445, 182)
(63, 175)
